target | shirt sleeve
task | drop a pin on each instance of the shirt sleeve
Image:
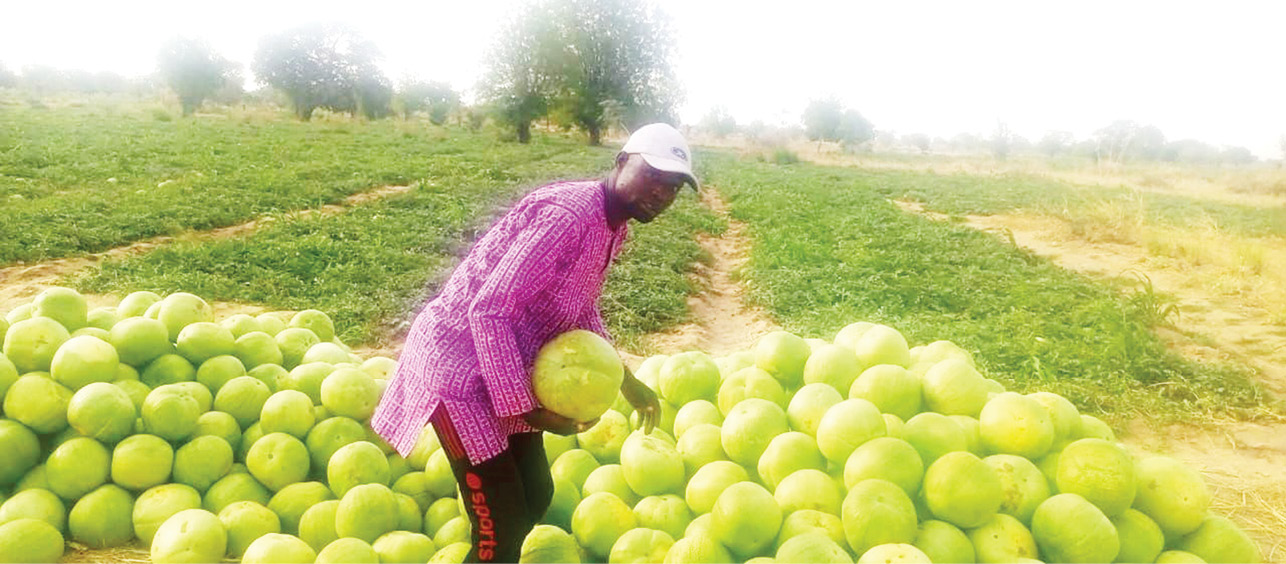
(524, 271)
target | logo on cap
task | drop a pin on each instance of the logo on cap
(679, 153)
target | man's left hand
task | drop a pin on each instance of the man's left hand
(644, 401)
(546, 420)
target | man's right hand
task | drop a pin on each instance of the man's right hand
(546, 420)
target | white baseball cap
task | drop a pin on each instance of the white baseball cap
(663, 148)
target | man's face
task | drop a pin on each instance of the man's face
(644, 191)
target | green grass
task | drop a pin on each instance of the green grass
(373, 266)
(830, 250)
(81, 176)
(89, 177)
(641, 291)
(964, 194)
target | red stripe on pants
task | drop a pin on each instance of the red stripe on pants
(448, 436)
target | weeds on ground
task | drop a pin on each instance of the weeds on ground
(374, 266)
(1146, 305)
(830, 250)
(782, 156)
(76, 180)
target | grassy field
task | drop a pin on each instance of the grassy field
(964, 194)
(829, 249)
(828, 246)
(370, 267)
(1232, 218)
(87, 178)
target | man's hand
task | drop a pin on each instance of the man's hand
(644, 401)
(546, 420)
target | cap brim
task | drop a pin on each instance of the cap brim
(671, 165)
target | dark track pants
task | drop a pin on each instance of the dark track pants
(505, 496)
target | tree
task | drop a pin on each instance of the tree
(718, 122)
(373, 93)
(827, 120)
(618, 54)
(1019, 144)
(437, 98)
(1114, 140)
(325, 66)
(968, 143)
(442, 100)
(822, 119)
(1148, 144)
(590, 64)
(522, 69)
(919, 141)
(193, 70)
(7, 78)
(42, 79)
(1190, 151)
(1055, 143)
(854, 129)
(233, 90)
(1001, 141)
(1124, 140)
(1237, 155)
(107, 81)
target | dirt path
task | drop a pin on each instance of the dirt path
(19, 284)
(722, 322)
(1244, 463)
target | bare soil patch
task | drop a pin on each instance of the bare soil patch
(721, 323)
(78, 553)
(391, 350)
(1244, 465)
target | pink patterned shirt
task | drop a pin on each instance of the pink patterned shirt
(535, 274)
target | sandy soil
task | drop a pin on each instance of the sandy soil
(722, 322)
(1244, 465)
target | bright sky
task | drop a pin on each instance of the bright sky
(1208, 70)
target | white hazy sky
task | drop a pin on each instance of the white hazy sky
(1209, 70)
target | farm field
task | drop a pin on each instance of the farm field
(369, 265)
(218, 206)
(1220, 301)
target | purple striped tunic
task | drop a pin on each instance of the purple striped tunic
(535, 274)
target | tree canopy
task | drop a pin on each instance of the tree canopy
(589, 64)
(828, 120)
(193, 70)
(325, 66)
(718, 122)
(522, 69)
(436, 98)
(7, 78)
